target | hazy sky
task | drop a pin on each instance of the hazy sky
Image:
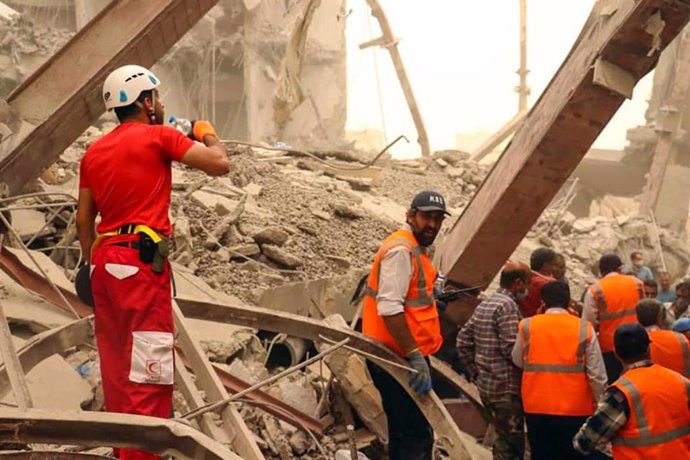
(461, 58)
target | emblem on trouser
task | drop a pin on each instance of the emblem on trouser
(152, 358)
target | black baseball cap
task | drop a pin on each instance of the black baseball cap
(631, 340)
(429, 201)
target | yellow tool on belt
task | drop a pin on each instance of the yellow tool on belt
(156, 254)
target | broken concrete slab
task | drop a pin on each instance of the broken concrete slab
(271, 235)
(215, 202)
(357, 385)
(54, 384)
(315, 298)
(346, 211)
(28, 222)
(222, 343)
(281, 256)
(245, 249)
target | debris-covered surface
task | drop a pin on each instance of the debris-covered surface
(24, 46)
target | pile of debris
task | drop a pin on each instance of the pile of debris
(23, 47)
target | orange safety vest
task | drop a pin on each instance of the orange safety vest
(616, 297)
(671, 350)
(659, 423)
(419, 307)
(554, 379)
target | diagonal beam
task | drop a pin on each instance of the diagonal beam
(619, 45)
(63, 97)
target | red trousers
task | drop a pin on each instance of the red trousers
(134, 332)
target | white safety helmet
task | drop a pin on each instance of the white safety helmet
(124, 85)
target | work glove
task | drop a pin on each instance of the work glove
(441, 305)
(420, 382)
(200, 128)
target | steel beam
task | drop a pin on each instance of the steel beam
(620, 43)
(95, 429)
(63, 97)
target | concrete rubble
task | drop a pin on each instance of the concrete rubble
(284, 230)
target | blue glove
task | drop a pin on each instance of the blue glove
(440, 304)
(421, 381)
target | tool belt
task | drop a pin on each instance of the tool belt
(153, 249)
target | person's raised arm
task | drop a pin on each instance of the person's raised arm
(212, 157)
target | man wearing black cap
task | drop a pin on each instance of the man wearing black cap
(646, 412)
(400, 312)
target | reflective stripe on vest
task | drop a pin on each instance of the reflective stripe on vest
(423, 300)
(557, 368)
(646, 439)
(603, 309)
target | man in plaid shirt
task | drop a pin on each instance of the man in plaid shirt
(484, 345)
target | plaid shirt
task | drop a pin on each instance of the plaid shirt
(611, 414)
(485, 344)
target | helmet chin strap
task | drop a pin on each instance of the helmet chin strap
(152, 112)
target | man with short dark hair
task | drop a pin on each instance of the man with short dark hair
(560, 356)
(541, 264)
(400, 312)
(651, 289)
(669, 349)
(646, 413)
(609, 303)
(637, 267)
(666, 293)
(680, 305)
(485, 345)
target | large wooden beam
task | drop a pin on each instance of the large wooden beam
(63, 97)
(619, 45)
(668, 122)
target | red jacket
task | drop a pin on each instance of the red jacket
(532, 302)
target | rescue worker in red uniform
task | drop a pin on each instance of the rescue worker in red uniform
(668, 348)
(125, 177)
(645, 414)
(609, 303)
(400, 312)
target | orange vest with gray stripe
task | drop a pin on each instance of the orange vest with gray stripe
(554, 379)
(616, 298)
(671, 350)
(419, 307)
(659, 421)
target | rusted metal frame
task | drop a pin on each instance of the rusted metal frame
(669, 121)
(622, 41)
(62, 98)
(206, 380)
(450, 437)
(389, 42)
(155, 435)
